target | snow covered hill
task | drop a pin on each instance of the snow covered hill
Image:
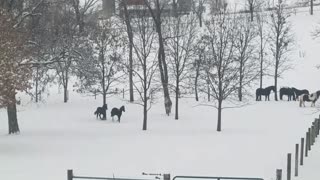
(253, 143)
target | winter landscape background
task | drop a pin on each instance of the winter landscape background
(56, 136)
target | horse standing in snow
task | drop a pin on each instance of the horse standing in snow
(289, 92)
(117, 112)
(309, 98)
(299, 92)
(101, 111)
(265, 92)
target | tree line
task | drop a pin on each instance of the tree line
(205, 50)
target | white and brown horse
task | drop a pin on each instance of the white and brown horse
(309, 98)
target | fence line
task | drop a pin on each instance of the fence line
(305, 145)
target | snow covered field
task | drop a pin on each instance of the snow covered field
(253, 143)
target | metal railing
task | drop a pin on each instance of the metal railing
(215, 178)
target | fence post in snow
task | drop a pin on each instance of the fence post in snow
(309, 139)
(166, 176)
(307, 143)
(301, 151)
(70, 174)
(296, 164)
(289, 166)
(279, 174)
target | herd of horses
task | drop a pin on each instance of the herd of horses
(101, 112)
(292, 94)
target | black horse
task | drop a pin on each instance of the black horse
(118, 112)
(300, 92)
(289, 92)
(101, 111)
(265, 92)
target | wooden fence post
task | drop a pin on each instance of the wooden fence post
(289, 167)
(279, 174)
(309, 139)
(301, 151)
(312, 134)
(166, 176)
(70, 174)
(307, 143)
(296, 164)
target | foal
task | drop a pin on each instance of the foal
(118, 112)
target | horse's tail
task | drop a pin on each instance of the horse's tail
(95, 112)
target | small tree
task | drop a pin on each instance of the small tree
(281, 40)
(182, 35)
(220, 65)
(100, 72)
(244, 54)
(263, 40)
(144, 48)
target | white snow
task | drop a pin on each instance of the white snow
(254, 140)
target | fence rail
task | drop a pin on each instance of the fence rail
(216, 178)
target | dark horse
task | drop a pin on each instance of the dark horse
(118, 112)
(300, 92)
(101, 111)
(265, 92)
(289, 92)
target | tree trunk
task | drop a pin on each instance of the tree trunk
(37, 83)
(130, 37)
(261, 59)
(131, 72)
(276, 84)
(177, 99)
(311, 7)
(65, 88)
(219, 115)
(240, 82)
(251, 11)
(12, 116)
(145, 112)
(156, 15)
(196, 78)
(104, 90)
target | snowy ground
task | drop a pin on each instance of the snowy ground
(254, 141)
(56, 137)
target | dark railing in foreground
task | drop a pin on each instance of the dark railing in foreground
(71, 176)
(215, 178)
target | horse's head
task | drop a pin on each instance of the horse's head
(122, 109)
(273, 88)
(105, 106)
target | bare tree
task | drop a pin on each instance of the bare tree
(182, 33)
(244, 53)
(156, 9)
(105, 68)
(145, 50)
(81, 10)
(281, 40)
(221, 67)
(263, 40)
(199, 9)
